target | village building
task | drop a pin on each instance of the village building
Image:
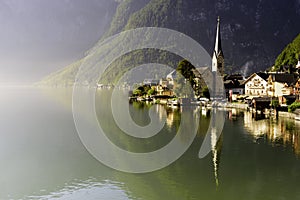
(297, 89)
(151, 82)
(165, 86)
(171, 77)
(234, 84)
(164, 82)
(281, 84)
(163, 91)
(256, 84)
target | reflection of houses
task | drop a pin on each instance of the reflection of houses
(170, 118)
(256, 84)
(274, 133)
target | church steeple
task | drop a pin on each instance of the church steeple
(218, 57)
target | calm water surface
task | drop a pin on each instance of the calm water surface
(42, 157)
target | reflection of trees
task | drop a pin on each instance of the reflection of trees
(139, 114)
(188, 177)
(163, 183)
(187, 124)
(283, 132)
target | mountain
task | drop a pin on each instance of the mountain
(253, 32)
(289, 56)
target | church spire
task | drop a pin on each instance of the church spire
(218, 45)
(218, 57)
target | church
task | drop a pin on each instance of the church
(217, 66)
(218, 56)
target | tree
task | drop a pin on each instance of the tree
(275, 103)
(182, 88)
(151, 92)
(186, 75)
(289, 56)
(137, 92)
(185, 68)
(141, 90)
(205, 92)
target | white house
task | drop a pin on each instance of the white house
(281, 84)
(256, 84)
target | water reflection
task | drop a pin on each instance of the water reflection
(214, 137)
(216, 157)
(281, 132)
(42, 157)
(88, 189)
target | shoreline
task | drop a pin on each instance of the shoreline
(245, 106)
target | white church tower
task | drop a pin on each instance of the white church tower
(218, 57)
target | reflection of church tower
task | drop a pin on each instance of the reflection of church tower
(216, 145)
(218, 57)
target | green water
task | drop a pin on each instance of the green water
(42, 156)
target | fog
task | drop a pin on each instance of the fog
(39, 37)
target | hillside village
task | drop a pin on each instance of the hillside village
(281, 85)
(279, 89)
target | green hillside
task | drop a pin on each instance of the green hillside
(62, 78)
(253, 32)
(289, 56)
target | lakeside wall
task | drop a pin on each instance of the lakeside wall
(286, 114)
(237, 105)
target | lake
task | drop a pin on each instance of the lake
(42, 156)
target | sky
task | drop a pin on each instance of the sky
(38, 37)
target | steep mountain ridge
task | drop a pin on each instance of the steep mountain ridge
(253, 32)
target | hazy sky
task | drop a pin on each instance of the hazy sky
(38, 37)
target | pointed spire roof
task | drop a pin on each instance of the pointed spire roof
(218, 45)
